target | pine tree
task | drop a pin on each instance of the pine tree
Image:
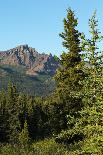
(89, 127)
(4, 127)
(93, 82)
(92, 114)
(24, 140)
(13, 112)
(69, 76)
(24, 135)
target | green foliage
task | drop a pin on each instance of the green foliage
(45, 147)
(89, 127)
(41, 84)
(13, 111)
(50, 147)
(70, 76)
(15, 108)
(24, 135)
(3, 118)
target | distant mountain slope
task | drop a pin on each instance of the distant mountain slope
(30, 59)
(31, 71)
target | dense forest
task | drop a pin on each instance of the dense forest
(70, 120)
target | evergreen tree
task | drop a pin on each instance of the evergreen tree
(92, 114)
(24, 135)
(13, 112)
(89, 127)
(22, 102)
(70, 76)
(4, 127)
(93, 87)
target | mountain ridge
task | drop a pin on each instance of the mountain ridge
(29, 58)
(29, 70)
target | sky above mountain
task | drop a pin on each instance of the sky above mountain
(39, 22)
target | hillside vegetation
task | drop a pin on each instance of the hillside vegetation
(41, 84)
(29, 70)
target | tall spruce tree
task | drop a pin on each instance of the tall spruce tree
(88, 130)
(67, 99)
(4, 127)
(92, 114)
(13, 112)
(93, 87)
(70, 76)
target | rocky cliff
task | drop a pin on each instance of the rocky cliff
(30, 59)
(29, 70)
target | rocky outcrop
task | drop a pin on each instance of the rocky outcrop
(29, 58)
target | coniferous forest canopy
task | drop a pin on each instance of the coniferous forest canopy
(70, 120)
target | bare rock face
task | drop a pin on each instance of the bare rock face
(29, 58)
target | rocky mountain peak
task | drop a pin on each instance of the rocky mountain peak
(28, 57)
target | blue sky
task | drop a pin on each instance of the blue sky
(39, 22)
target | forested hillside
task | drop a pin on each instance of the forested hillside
(41, 84)
(30, 71)
(70, 120)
